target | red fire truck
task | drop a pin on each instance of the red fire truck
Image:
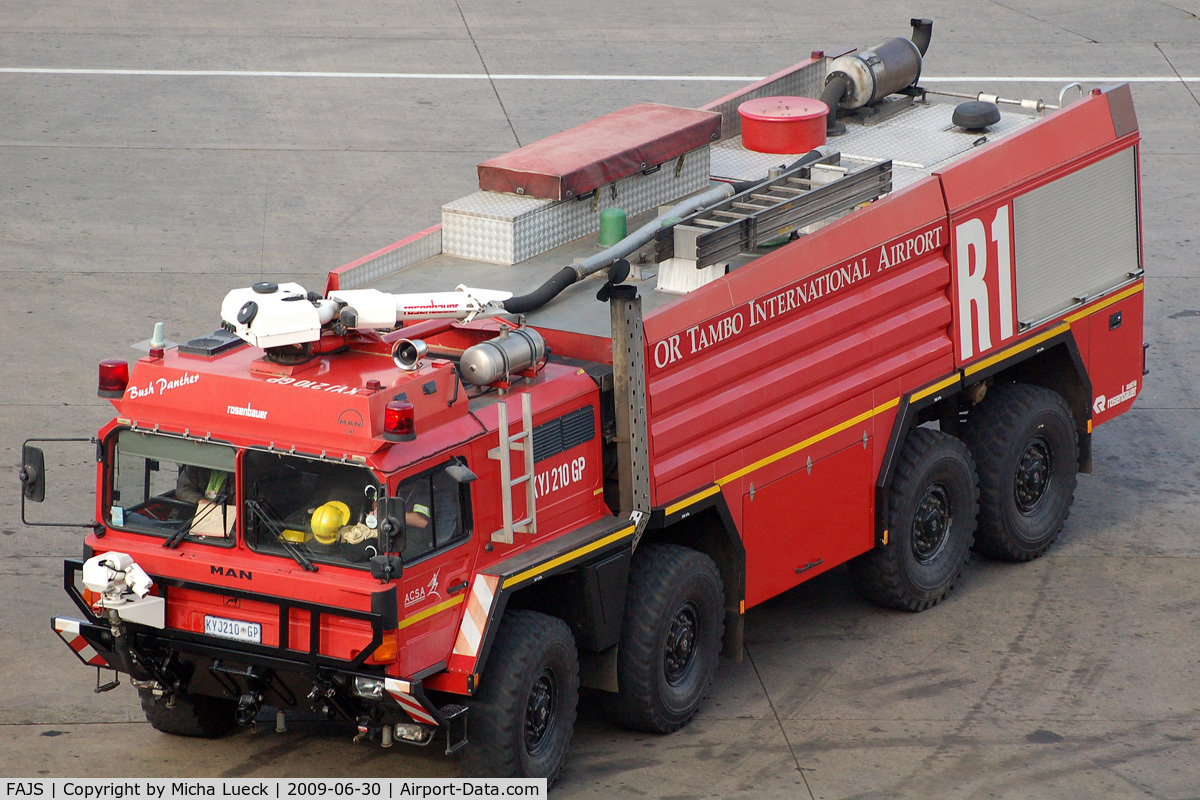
(856, 321)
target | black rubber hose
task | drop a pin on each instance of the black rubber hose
(834, 91)
(524, 303)
(598, 261)
(922, 31)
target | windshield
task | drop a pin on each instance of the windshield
(311, 511)
(176, 488)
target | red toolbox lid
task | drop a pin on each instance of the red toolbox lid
(599, 152)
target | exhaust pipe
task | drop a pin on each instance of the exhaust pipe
(867, 76)
(922, 31)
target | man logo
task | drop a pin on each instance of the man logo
(351, 420)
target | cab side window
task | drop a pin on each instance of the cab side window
(436, 512)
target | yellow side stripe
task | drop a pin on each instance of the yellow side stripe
(696, 498)
(429, 612)
(937, 387)
(571, 556)
(1116, 298)
(1022, 347)
(809, 442)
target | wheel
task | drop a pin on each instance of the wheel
(523, 714)
(195, 715)
(670, 638)
(932, 508)
(1027, 452)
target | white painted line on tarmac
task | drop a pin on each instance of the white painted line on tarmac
(480, 76)
(419, 76)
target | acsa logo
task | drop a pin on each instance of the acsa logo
(230, 572)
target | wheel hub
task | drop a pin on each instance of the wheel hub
(931, 523)
(1033, 475)
(539, 709)
(680, 648)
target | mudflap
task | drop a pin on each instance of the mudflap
(92, 644)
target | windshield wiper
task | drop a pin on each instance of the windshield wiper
(178, 536)
(185, 526)
(272, 525)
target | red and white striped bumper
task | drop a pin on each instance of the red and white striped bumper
(402, 692)
(84, 639)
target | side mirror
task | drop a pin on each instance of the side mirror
(460, 473)
(386, 568)
(393, 534)
(33, 474)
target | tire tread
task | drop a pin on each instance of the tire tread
(497, 711)
(196, 716)
(988, 434)
(878, 574)
(657, 570)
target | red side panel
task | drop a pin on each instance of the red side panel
(599, 152)
(1115, 358)
(810, 513)
(794, 344)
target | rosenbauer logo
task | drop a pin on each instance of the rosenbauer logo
(246, 411)
(1101, 402)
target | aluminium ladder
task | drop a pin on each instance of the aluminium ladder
(522, 442)
(775, 207)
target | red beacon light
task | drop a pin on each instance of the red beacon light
(399, 422)
(114, 378)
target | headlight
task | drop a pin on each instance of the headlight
(369, 688)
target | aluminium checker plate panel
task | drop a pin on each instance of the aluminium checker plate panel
(922, 137)
(504, 228)
(392, 260)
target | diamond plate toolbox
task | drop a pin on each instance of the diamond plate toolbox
(508, 229)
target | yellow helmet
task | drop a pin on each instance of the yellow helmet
(327, 519)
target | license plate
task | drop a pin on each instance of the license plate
(233, 629)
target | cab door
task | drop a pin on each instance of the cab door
(439, 556)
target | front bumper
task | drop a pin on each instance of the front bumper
(186, 661)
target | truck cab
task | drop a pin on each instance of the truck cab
(332, 572)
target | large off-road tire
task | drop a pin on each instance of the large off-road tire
(1026, 450)
(932, 509)
(195, 715)
(670, 638)
(522, 717)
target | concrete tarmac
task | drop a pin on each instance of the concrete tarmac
(127, 199)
